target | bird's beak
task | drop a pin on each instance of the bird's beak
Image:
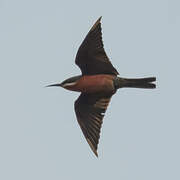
(58, 85)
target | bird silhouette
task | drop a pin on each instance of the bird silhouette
(97, 83)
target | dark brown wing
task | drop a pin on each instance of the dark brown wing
(90, 109)
(91, 57)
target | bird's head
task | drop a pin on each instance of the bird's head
(68, 83)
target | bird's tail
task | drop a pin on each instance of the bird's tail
(135, 83)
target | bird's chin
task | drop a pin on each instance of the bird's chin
(68, 88)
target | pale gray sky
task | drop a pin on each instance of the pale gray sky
(39, 135)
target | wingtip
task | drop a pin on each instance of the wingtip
(99, 20)
(92, 147)
(96, 23)
(96, 154)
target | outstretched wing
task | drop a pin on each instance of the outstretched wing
(91, 56)
(90, 109)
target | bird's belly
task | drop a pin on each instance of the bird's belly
(96, 83)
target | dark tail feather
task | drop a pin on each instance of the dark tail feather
(136, 83)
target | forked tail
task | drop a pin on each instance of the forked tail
(135, 83)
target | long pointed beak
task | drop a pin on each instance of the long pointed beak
(54, 85)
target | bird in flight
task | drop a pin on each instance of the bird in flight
(98, 82)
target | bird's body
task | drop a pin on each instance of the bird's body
(101, 83)
(97, 84)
